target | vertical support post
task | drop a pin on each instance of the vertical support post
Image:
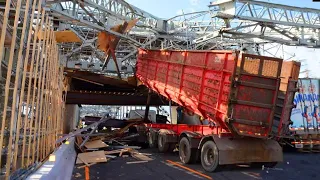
(18, 83)
(170, 112)
(10, 66)
(146, 113)
(26, 123)
(37, 72)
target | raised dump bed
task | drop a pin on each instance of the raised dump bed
(236, 92)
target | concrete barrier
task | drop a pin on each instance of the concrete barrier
(60, 164)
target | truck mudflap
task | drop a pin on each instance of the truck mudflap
(247, 150)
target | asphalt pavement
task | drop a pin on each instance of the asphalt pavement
(167, 166)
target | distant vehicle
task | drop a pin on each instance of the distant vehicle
(305, 116)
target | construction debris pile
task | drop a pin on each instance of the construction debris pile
(116, 139)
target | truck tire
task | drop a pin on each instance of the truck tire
(163, 146)
(151, 140)
(186, 153)
(210, 156)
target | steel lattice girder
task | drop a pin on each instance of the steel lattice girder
(273, 22)
(226, 25)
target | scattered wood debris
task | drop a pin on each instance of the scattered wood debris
(91, 157)
(117, 151)
(110, 156)
(136, 162)
(95, 147)
(95, 144)
(79, 167)
(140, 156)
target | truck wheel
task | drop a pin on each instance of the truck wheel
(151, 140)
(186, 153)
(163, 146)
(210, 156)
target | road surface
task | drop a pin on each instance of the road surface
(296, 166)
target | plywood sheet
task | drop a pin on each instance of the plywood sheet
(63, 36)
(91, 157)
(66, 37)
(103, 41)
(107, 40)
(95, 144)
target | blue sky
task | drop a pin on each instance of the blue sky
(169, 8)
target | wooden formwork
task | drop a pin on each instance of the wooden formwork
(32, 101)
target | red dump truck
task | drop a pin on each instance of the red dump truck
(237, 92)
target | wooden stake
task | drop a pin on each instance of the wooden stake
(46, 116)
(38, 89)
(4, 31)
(41, 90)
(13, 43)
(2, 39)
(36, 44)
(23, 83)
(79, 167)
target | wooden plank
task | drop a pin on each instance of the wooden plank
(6, 93)
(66, 37)
(103, 119)
(35, 58)
(116, 151)
(79, 167)
(21, 98)
(41, 89)
(95, 144)
(37, 88)
(56, 96)
(126, 147)
(82, 160)
(91, 157)
(47, 103)
(26, 124)
(136, 162)
(87, 138)
(140, 156)
(10, 65)
(4, 30)
(110, 156)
